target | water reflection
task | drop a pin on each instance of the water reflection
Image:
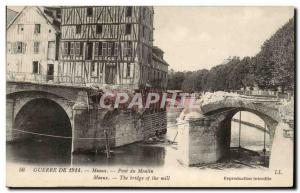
(40, 151)
(136, 154)
(58, 152)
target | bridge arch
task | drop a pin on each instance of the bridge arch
(43, 116)
(29, 109)
(225, 110)
(23, 97)
(209, 126)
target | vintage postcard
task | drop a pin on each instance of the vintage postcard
(146, 96)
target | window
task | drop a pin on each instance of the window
(37, 28)
(66, 48)
(20, 28)
(128, 29)
(19, 48)
(78, 48)
(81, 48)
(100, 49)
(128, 70)
(149, 58)
(116, 49)
(35, 67)
(109, 49)
(89, 51)
(96, 48)
(99, 29)
(89, 11)
(128, 11)
(128, 48)
(36, 46)
(112, 48)
(104, 48)
(101, 67)
(78, 29)
(72, 49)
(93, 67)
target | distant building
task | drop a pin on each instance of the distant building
(158, 75)
(32, 51)
(110, 45)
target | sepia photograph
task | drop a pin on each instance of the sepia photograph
(150, 96)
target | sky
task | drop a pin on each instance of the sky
(194, 38)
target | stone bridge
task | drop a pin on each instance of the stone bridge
(205, 131)
(70, 112)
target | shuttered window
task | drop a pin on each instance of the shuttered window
(19, 48)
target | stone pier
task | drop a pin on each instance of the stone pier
(202, 139)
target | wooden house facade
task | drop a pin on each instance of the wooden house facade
(106, 45)
(32, 46)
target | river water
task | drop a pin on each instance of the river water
(57, 152)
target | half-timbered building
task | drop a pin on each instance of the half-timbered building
(107, 45)
(32, 51)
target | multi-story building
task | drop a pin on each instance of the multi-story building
(109, 45)
(32, 51)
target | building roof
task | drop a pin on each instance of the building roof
(10, 15)
(157, 58)
(40, 11)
